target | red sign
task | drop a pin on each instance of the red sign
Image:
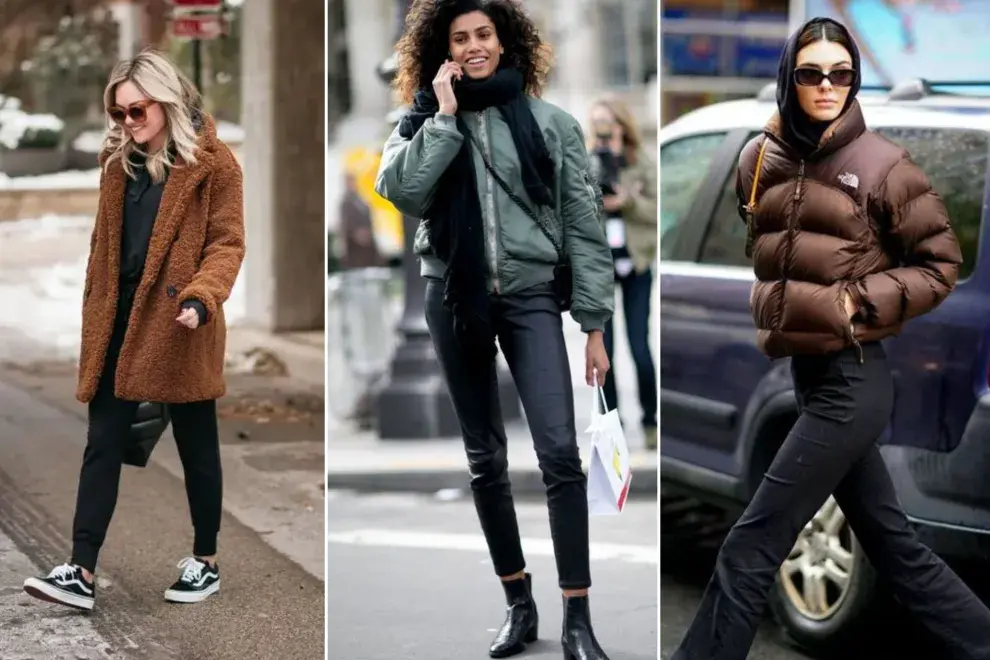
(197, 4)
(208, 26)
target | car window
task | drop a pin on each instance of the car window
(725, 242)
(683, 166)
(955, 161)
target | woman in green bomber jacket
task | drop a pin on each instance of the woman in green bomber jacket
(500, 179)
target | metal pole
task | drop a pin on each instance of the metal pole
(197, 64)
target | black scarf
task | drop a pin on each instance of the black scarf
(799, 130)
(456, 225)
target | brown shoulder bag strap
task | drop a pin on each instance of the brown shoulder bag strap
(750, 208)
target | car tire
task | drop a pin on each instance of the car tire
(853, 607)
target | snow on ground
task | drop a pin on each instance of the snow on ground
(42, 274)
(88, 141)
(67, 180)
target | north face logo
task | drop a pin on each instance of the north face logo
(850, 180)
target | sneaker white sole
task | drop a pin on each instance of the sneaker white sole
(191, 596)
(46, 592)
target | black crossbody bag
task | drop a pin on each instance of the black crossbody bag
(563, 276)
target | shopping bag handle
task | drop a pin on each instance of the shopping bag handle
(598, 392)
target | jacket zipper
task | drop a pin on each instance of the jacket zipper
(790, 226)
(849, 328)
(491, 228)
(797, 192)
(790, 235)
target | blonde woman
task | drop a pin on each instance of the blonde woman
(628, 179)
(166, 248)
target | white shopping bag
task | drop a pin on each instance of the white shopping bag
(609, 472)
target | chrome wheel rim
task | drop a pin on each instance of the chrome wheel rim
(817, 574)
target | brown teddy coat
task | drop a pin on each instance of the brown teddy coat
(195, 252)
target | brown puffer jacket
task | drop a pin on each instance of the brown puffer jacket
(857, 215)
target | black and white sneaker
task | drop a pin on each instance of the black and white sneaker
(64, 585)
(197, 582)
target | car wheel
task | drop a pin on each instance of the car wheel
(826, 587)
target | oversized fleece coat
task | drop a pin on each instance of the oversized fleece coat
(195, 253)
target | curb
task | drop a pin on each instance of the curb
(524, 481)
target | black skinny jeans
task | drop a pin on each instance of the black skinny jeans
(194, 426)
(530, 334)
(637, 291)
(832, 449)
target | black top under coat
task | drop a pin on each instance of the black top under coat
(142, 200)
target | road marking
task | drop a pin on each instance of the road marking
(631, 554)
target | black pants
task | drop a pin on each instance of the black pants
(530, 334)
(194, 426)
(637, 290)
(832, 450)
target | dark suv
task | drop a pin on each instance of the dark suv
(725, 408)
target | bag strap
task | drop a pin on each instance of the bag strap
(515, 198)
(597, 393)
(750, 208)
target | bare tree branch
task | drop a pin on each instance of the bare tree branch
(22, 23)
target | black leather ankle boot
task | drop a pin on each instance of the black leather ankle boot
(578, 639)
(521, 620)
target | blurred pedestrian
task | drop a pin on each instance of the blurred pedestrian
(360, 247)
(166, 248)
(511, 236)
(849, 241)
(628, 180)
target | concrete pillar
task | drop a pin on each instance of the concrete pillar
(284, 118)
(577, 42)
(128, 17)
(370, 32)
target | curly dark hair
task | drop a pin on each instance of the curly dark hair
(424, 44)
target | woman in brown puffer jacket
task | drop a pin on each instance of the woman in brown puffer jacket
(848, 242)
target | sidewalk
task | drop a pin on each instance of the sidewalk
(360, 461)
(271, 442)
(297, 355)
(52, 633)
(270, 607)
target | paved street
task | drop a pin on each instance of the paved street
(409, 577)
(687, 557)
(27, 633)
(271, 543)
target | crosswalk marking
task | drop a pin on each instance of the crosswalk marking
(631, 554)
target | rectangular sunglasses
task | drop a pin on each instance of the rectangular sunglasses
(138, 112)
(808, 77)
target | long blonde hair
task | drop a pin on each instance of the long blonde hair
(631, 140)
(161, 81)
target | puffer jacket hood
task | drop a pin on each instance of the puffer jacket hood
(860, 218)
(797, 128)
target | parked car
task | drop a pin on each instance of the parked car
(726, 408)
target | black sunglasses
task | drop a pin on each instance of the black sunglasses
(808, 77)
